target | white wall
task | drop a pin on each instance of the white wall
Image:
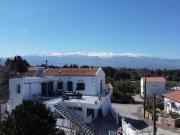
(63, 123)
(127, 129)
(60, 122)
(115, 114)
(29, 87)
(92, 83)
(14, 97)
(100, 77)
(106, 105)
(157, 88)
(90, 88)
(168, 106)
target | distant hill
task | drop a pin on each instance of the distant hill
(128, 60)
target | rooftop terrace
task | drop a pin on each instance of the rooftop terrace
(91, 100)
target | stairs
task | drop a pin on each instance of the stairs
(63, 110)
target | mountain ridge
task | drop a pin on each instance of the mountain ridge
(127, 60)
(90, 54)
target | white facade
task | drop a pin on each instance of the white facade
(32, 86)
(93, 84)
(94, 97)
(170, 105)
(29, 88)
(157, 88)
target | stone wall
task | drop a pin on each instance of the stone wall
(169, 122)
(147, 114)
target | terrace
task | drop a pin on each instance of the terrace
(88, 101)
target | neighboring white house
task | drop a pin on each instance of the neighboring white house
(154, 85)
(134, 127)
(172, 101)
(109, 87)
(45, 83)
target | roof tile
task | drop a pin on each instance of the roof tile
(154, 79)
(71, 72)
(175, 95)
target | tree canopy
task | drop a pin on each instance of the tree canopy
(17, 64)
(123, 88)
(30, 118)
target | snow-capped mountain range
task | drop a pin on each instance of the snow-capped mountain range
(129, 60)
(90, 54)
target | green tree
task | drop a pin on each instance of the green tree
(30, 118)
(17, 64)
(109, 71)
(121, 75)
(123, 89)
(110, 80)
(134, 75)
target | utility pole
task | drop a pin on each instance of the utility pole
(154, 114)
(46, 63)
(145, 97)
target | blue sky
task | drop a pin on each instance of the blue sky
(149, 27)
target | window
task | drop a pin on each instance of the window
(18, 88)
(90, 112)
(60, 85)
(80, 86)
(70, 86)
(44, 89)
(173, 105)
(50, 88)
(47, 89)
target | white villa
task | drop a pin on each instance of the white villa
(172, 101)
(154, 85)
(85, 97)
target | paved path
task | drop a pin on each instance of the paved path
(132, 111)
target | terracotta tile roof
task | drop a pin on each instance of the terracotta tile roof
(175, 95)
(154, 79)
(31, 70)
(71, 72)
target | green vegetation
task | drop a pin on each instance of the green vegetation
(30, 118)
(174, 115)
(15, 65)
(171, 84)
(124, 89)
(119, 77)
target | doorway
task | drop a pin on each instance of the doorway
(70, 86)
